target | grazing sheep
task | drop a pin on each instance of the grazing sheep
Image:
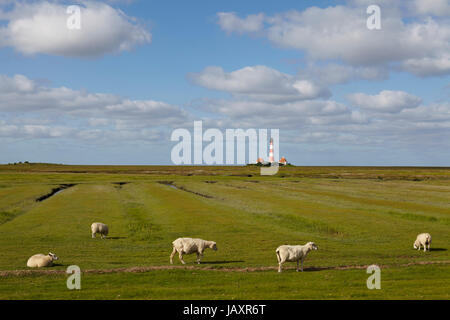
(423, 239)
(98, 227)
(293, 253)
(41, 260)
(189, 245)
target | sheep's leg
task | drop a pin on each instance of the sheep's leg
(199, 257)
(424, 247)
(302, 264)
(180, 255)
(172, 255)
(297, 264)
(280, 263)
(93, 236)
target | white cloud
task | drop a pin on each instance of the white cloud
(18, 83)
(96, 122)
(36, 111)
(428, 66)
(387, 118)
(431, 7)
(35, 131)
(434, 113)
(259, 83)
(230, 22)
(39, 131)
(21, 94)
(385, 101)
(289, 116)
(41, 27)
(418, 45)
(333, 73)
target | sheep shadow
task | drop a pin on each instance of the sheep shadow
(438, 249)
(115, 238)
(314, 269)
(221, 262)
(60, 265)
(305, 269)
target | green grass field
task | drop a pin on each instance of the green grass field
(357, 216)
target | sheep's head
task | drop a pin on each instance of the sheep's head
(416, 244)
(312, 246)
(53, 256)
(213, 246)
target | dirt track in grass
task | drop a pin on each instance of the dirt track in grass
(207, 268)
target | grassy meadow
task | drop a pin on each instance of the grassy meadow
(356, 215)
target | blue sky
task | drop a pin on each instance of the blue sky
(339, 93)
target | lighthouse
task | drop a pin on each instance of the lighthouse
(271, 158)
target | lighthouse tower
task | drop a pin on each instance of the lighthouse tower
(271, 158)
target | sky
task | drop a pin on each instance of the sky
(114, 90)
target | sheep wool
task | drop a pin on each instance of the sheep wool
(293, 253)
(101, 228)
(188, 246)
(41, 260)
(424, 240)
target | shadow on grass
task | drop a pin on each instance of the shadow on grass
(438, 249)
(115, 238)
(313, 269)
(221, 262)
(60, 264)
(306, 269)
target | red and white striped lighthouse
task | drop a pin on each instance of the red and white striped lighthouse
(271, 158)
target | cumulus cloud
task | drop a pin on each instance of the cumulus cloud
(431, 7)
(37, 111)
(417, 45)
(230, 22)
(41, 27)
(385, 101)
(259, 83)
(333, 73)
(17, 83)
(32, 111)
(428, 66)
(239, 109)
(329, 123)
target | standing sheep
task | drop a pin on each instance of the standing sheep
(41, 260)
(423, 239)
(293, 253)
(98, 227)
(189, 246)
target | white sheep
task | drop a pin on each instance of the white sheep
(293, 253)
(423, 239)
(98, 227)
(189, 246)
(41, 260)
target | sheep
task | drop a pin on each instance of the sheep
(98, 227)
(41, 260)
(423, 239)
(293, 253)
(189, 246)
